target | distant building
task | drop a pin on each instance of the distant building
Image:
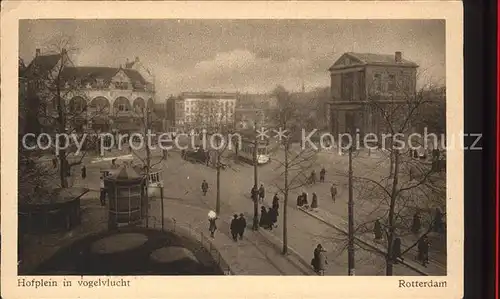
(202, 110)
(360, 79)
(95, 98)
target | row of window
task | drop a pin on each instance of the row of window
(393, 84)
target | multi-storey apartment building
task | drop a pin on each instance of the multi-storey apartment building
(93, 98)
(198, 110)
(358, 80)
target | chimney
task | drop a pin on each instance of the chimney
(63, 51)
(398, 57)
(37, 52)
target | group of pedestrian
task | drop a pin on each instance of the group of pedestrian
(312, 176)
(303, 203)
(238, 226)
(258, 193)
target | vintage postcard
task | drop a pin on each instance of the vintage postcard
(232, 149)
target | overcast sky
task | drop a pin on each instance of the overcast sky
(239, 55)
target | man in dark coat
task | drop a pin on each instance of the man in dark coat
(313, 177)
(333, 192)
(204, 187)
(416, 223)
(242, 225)
(272, 217)
(102, 193)
(276, 203)
(235, 227)
(84, 172)
(54, 162)
(322, 175)
(423, 251)
(254, 193)
(262, 193)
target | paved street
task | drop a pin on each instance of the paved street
(304, 231)
(183, 179)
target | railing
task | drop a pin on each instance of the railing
(187, 230)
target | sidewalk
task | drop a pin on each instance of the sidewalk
(250, 256)
(339, 223)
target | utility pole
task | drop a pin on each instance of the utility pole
(350, 246)
(255, 181)
(148, 164)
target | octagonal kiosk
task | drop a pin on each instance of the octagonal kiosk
(125, 193)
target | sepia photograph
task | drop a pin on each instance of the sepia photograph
(232, 147)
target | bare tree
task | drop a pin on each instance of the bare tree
(297, 161)
(409, 186)
(212, 116)
(57, 102)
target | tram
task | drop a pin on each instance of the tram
(245, 151)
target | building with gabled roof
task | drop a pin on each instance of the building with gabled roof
(358, 80)
(99, 98)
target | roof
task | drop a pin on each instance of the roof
(373, 59)
(105, 73)
(209, 95)
(42, 64)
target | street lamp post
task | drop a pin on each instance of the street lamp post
(350, 247)
(255, 181)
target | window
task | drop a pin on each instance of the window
(391, 84)
(154, 178)
(406, 83)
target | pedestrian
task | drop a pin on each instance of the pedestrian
(416, 223)
(235, 227)
(54, 162)
(314, 203)
(212, 227)
(319, 260)
(396, 250)
(254, 193)
(333, 192)
(204, 187)
(299, 200)
(305, 203)
(322, 175)
(242, 225)
(183, 154)
(262, 193)
(276, 203)
(103, 192)
(313, 177)
(273, 217)
(423, 250)
(377, 230)
(438, 221)
(84, 172)
(264, 219)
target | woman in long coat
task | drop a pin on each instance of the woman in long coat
(212, 226)
(319, 261)
(264, 217)
(273, 217)
(314, 203)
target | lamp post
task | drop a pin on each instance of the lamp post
(350, 246)
(256, 182)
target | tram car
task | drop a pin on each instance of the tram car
(245, 151)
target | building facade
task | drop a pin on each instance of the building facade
(99, 99)
(202, 110)
(361, 82)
